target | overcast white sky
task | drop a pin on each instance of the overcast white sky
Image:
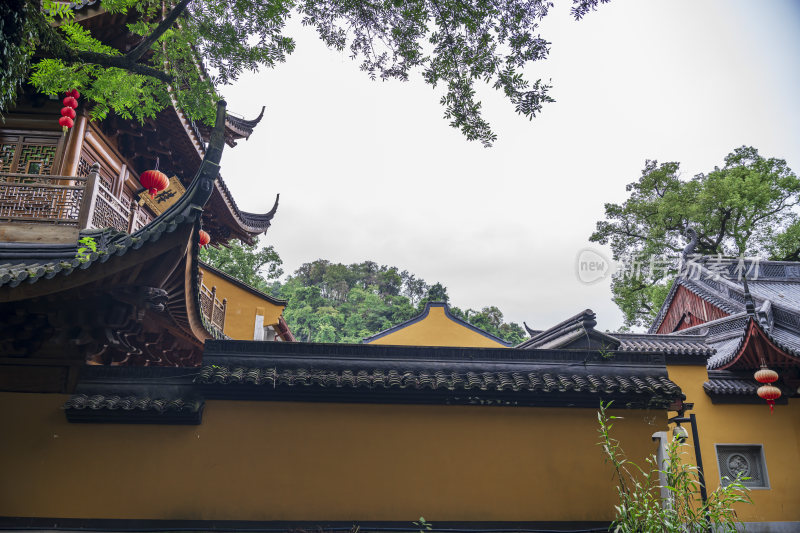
(371, 170)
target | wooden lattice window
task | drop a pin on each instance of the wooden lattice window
(7, 156)
(36, 159)
(28, 154)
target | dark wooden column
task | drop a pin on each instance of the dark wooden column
(72, 154)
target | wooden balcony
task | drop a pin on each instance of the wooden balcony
(44, 208)
(65, 203)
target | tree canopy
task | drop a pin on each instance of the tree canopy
(334, 302)
(747, 207)
(187, 49)
(245, 262)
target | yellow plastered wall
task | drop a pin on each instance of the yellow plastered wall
(242, 307)
(315, 461)
(778, 433)
(437, 329)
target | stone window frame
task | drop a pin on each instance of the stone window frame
(761, 456)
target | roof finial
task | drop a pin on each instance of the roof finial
(688, 250)
(530, 331)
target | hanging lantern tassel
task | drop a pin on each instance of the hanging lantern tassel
(205, 238)
(769, 393)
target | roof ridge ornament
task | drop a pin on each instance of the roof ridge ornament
(688, 250)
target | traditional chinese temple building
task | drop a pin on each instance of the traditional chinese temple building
(716, 328)
(141, 297)
(128, 405)
(137, 394)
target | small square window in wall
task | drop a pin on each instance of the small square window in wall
(746, 460)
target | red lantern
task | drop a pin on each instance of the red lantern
(766, 375)
(68, 111)
(205, 238)
(74, 93)
(769, 393)
(154, 181)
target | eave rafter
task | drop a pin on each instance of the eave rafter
(757, 346)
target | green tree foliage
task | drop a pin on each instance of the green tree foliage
(333, 302)
(451, 43)
(251, 264)
(746, 207)
(639, 489)
(490, 319)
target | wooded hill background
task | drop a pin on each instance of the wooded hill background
(334, 302)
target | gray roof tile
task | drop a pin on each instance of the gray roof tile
(400, 379)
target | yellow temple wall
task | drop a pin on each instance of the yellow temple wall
(778, 433)
(437, 329)
(315, 461)
(242, 307)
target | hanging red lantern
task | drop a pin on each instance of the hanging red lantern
(769, 393)
(205, 238)
(766, 375)
(68, 111)
(154, 181)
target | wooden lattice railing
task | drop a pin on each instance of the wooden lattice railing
(213, 309)
(82, 202)
(39, 198)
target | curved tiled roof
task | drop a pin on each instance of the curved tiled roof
(569, 331)
(111, 243)
(243, 126)
(424, 374)
(133, 409)
(254, 223)
(451, 381)
(128, 394)
(581, 327)
(776, 281)
(129, 403)
(730, 346)
(236, 128)
(672, 345)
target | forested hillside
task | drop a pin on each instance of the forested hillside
(333, 302)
